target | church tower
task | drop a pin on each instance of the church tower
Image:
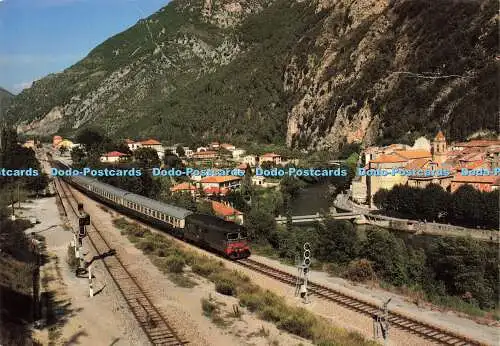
(439, 148)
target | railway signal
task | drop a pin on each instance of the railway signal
(302, 278)
(83, 221)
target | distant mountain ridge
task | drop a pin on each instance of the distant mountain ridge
(311, 74)
(5, 100)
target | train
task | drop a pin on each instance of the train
(206, 231)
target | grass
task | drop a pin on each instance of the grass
(73, 262)
(267, 305)
(212, 310)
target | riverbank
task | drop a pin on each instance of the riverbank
(413, 226)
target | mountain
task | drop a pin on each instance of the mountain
(5, 100)
(310, 73)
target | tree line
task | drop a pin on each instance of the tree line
(449, 271)
(466, 206)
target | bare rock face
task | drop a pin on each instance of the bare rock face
(50, 123)
(373, 56)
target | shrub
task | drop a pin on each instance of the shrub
(205, 266)
(208, 307)
(359, 270)
(72, 260)
(146, 246)
(175, 264)
(224, 285)
(299, 322)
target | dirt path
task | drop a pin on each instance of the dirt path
(78, 319)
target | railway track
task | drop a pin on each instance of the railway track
(150, 319)
(425, 330)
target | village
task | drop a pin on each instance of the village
(217, 158)
(228, 165)
(451, 161)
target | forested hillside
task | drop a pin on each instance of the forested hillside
(313, 74)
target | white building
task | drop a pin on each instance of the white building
(238, 153)
(113, 157)
(250, 160)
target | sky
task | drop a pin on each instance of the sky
(39, 37)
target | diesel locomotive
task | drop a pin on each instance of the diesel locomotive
(207, 231)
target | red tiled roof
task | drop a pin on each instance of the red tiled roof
(150, 142)
(219, 179)
(388, 159)
(479, 143)
(478, 179)
(114, 154)
(183, 187)
(414, 154)
(271, 155)
(418, 164)
(224, 210)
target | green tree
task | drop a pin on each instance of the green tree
(38, 183)
(205, 207)
(260, 224)
(338, 241)
(78, 156)
(461, 264)
(180, 151)
(171, 160)
(91, 139)
(388, 255)
(146, 158)
(434, 202)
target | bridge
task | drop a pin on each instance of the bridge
(317, 217)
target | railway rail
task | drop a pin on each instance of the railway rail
(438, 334)
(425, 330)
(152, 322)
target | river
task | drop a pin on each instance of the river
(316, 197)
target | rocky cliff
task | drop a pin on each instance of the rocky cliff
(311, 73)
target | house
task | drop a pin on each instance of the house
(184, 187)
(258, 180)
(65, 143)
(30, 144)
(204, 155)
(227, 212)
(250, 159)
(485, 183)
(199, 149)
(132, 145)
(214, 145)
(56, 140)
(227, 146)
(238, 153)
(221, 182)
(154, 144)
(114, 157)
(270, 157)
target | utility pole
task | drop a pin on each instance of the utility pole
(381, 323)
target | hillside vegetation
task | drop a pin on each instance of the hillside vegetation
(313, 74)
